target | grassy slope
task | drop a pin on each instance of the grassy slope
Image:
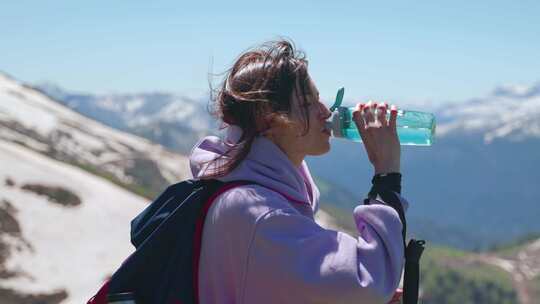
(535, 288)
(454, 276)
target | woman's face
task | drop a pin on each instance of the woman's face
(293, 139)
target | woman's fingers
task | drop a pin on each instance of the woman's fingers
(381, 114)
(368, 112)
(379, 135)
(393, 118)
(358, 117)
(361, 123)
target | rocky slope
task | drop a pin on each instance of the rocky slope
(32, 119)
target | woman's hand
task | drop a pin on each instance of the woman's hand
(379, 135)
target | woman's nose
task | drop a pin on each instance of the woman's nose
(324, 112)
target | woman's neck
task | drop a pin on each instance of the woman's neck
(295, 157)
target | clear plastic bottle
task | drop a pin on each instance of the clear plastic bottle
(413, 127)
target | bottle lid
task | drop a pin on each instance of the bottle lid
(339, 99)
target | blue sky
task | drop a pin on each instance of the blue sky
(402, 51)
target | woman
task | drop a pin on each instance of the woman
(260, 241)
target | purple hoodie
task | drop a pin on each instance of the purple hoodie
(261, 243)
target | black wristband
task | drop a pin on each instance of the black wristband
(388, 187)
(387, 181)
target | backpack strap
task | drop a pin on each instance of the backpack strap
(387, 188)
(101, 295)
(411, 278)
(197, 240)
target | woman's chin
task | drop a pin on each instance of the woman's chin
(323, 149)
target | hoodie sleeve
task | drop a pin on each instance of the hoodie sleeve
(294, 260)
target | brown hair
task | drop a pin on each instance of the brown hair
(256, 90)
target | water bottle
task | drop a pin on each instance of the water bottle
(413, 127)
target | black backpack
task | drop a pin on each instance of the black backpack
(169, 231)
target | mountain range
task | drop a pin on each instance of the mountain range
(477, 186)
(175, 121)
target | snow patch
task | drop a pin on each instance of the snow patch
(74, 248)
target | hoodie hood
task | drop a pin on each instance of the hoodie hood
(265, 164)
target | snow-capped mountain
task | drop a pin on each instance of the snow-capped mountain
(172, 120)
(509, 113)
(32, 119)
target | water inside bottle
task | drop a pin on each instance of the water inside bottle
(413, 128)
(407, 136)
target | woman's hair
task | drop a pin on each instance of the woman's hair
(259, 89)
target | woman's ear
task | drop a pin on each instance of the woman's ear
(275, 124)
(268, 125)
